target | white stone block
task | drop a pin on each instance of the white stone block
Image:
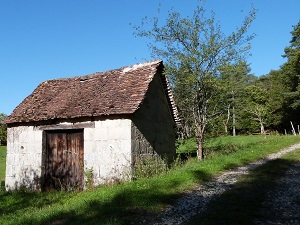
(89, 146)
(29, 137)
(16, 158)
(126, 122)
(9, 147)
(101, 146)
(10, 135)
(38, 160)
(101, 133)
(119, 133)
(38, 147)
(89, 160)
(9, 160)
(110, 123)
(38, 135)
(88, 134)
(30, 159)
(125, 145)
(9, 170)
(96, 171)
(22, 136)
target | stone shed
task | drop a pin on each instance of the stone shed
(98, 123)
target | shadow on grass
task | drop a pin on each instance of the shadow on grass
(241, 204)
(19, 200)
(2, 185)
(132, 203)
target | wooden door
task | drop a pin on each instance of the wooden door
(64, 160)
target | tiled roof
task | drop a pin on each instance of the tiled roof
(114, 92)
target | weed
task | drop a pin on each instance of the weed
(89, 178)
(146, 166)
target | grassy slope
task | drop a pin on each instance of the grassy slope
(214, 145)
(131, 201)
(2, 162)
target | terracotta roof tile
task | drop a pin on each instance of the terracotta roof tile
(119, 91)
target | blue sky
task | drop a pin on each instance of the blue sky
(48, 39)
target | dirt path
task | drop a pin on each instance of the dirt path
(195, 202)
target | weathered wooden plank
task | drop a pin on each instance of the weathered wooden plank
(70, 126)
(64, 160)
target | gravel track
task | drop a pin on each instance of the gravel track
(282, 205)
(195, 201)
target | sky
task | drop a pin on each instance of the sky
(48, 39)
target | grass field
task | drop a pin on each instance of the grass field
(226, 144)
(135, 201)
(2, 164)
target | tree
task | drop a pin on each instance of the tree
(291, 72)
(193, 48)
(256, 103)
(276, 90)
(3, 128)
(234, 79)
(285, 89)
(292, 53)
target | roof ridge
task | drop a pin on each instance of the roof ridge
(124, 68)
(74, 97)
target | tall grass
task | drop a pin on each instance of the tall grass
(135, 201)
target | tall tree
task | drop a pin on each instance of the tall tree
(285, 85)
(3, 128)
(256, 104)
(291, 72)
(276, 90)
(193, 48)
(234, 78)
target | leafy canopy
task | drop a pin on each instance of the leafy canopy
(193, 48)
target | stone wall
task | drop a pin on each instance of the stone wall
(153, 128)
(107, 150)
(24, 157)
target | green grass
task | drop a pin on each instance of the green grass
(223, 145)
(133, 201)
(2, 164)
(242, 203)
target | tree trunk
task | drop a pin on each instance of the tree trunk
(262, 128)
(200, 135)
(233, 122)
(225, 122)
(225, 129)
(200, 154)
(293, 129)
